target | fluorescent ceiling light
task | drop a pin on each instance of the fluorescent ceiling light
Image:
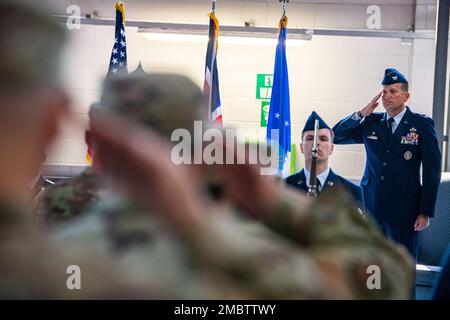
(185, 37)
(407, 42)
(174, 37)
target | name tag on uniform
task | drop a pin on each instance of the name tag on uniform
(372, 137)
(412, 138)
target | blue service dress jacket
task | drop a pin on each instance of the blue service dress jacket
(393, 190)
(298, 180)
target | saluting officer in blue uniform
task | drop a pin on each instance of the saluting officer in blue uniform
(397, 143)
(326, 178)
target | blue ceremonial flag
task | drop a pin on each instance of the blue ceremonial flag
(118, 61)
(279, 113)
(211, 84)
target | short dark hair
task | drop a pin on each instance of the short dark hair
(405, 87)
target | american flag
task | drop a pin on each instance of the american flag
(118, 61)
(211, 85)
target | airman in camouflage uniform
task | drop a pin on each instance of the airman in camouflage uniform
(294, 249)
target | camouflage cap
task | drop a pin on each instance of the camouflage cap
(31, 46)
(164, 102)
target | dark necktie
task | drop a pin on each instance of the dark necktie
(389, 125)
(318, 186)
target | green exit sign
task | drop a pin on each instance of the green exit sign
(263, 93)
(265, 106)
(264, 86)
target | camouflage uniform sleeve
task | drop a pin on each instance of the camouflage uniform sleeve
(251, 256)
(40, 207)
(33, 267)
(342, 239)
(67, 200)
(337, 255)
(53, 204)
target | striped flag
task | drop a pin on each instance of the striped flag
(279, 114)
(118, 60)
(211, 84)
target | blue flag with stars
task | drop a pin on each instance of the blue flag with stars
(118, 61)
(279, 113)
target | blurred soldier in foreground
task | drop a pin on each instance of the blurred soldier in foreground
(276, 245)
(71, 198)
(68, 199)
(32, 105)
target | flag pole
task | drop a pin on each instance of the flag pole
(283, 7)
(283, 19)
(213, 6)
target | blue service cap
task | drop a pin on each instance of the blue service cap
(309, 125)
(392, 76)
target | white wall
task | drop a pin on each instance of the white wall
(334, 76)
(343, 14)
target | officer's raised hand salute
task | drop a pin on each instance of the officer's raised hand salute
(398, 143)
(373, 104)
